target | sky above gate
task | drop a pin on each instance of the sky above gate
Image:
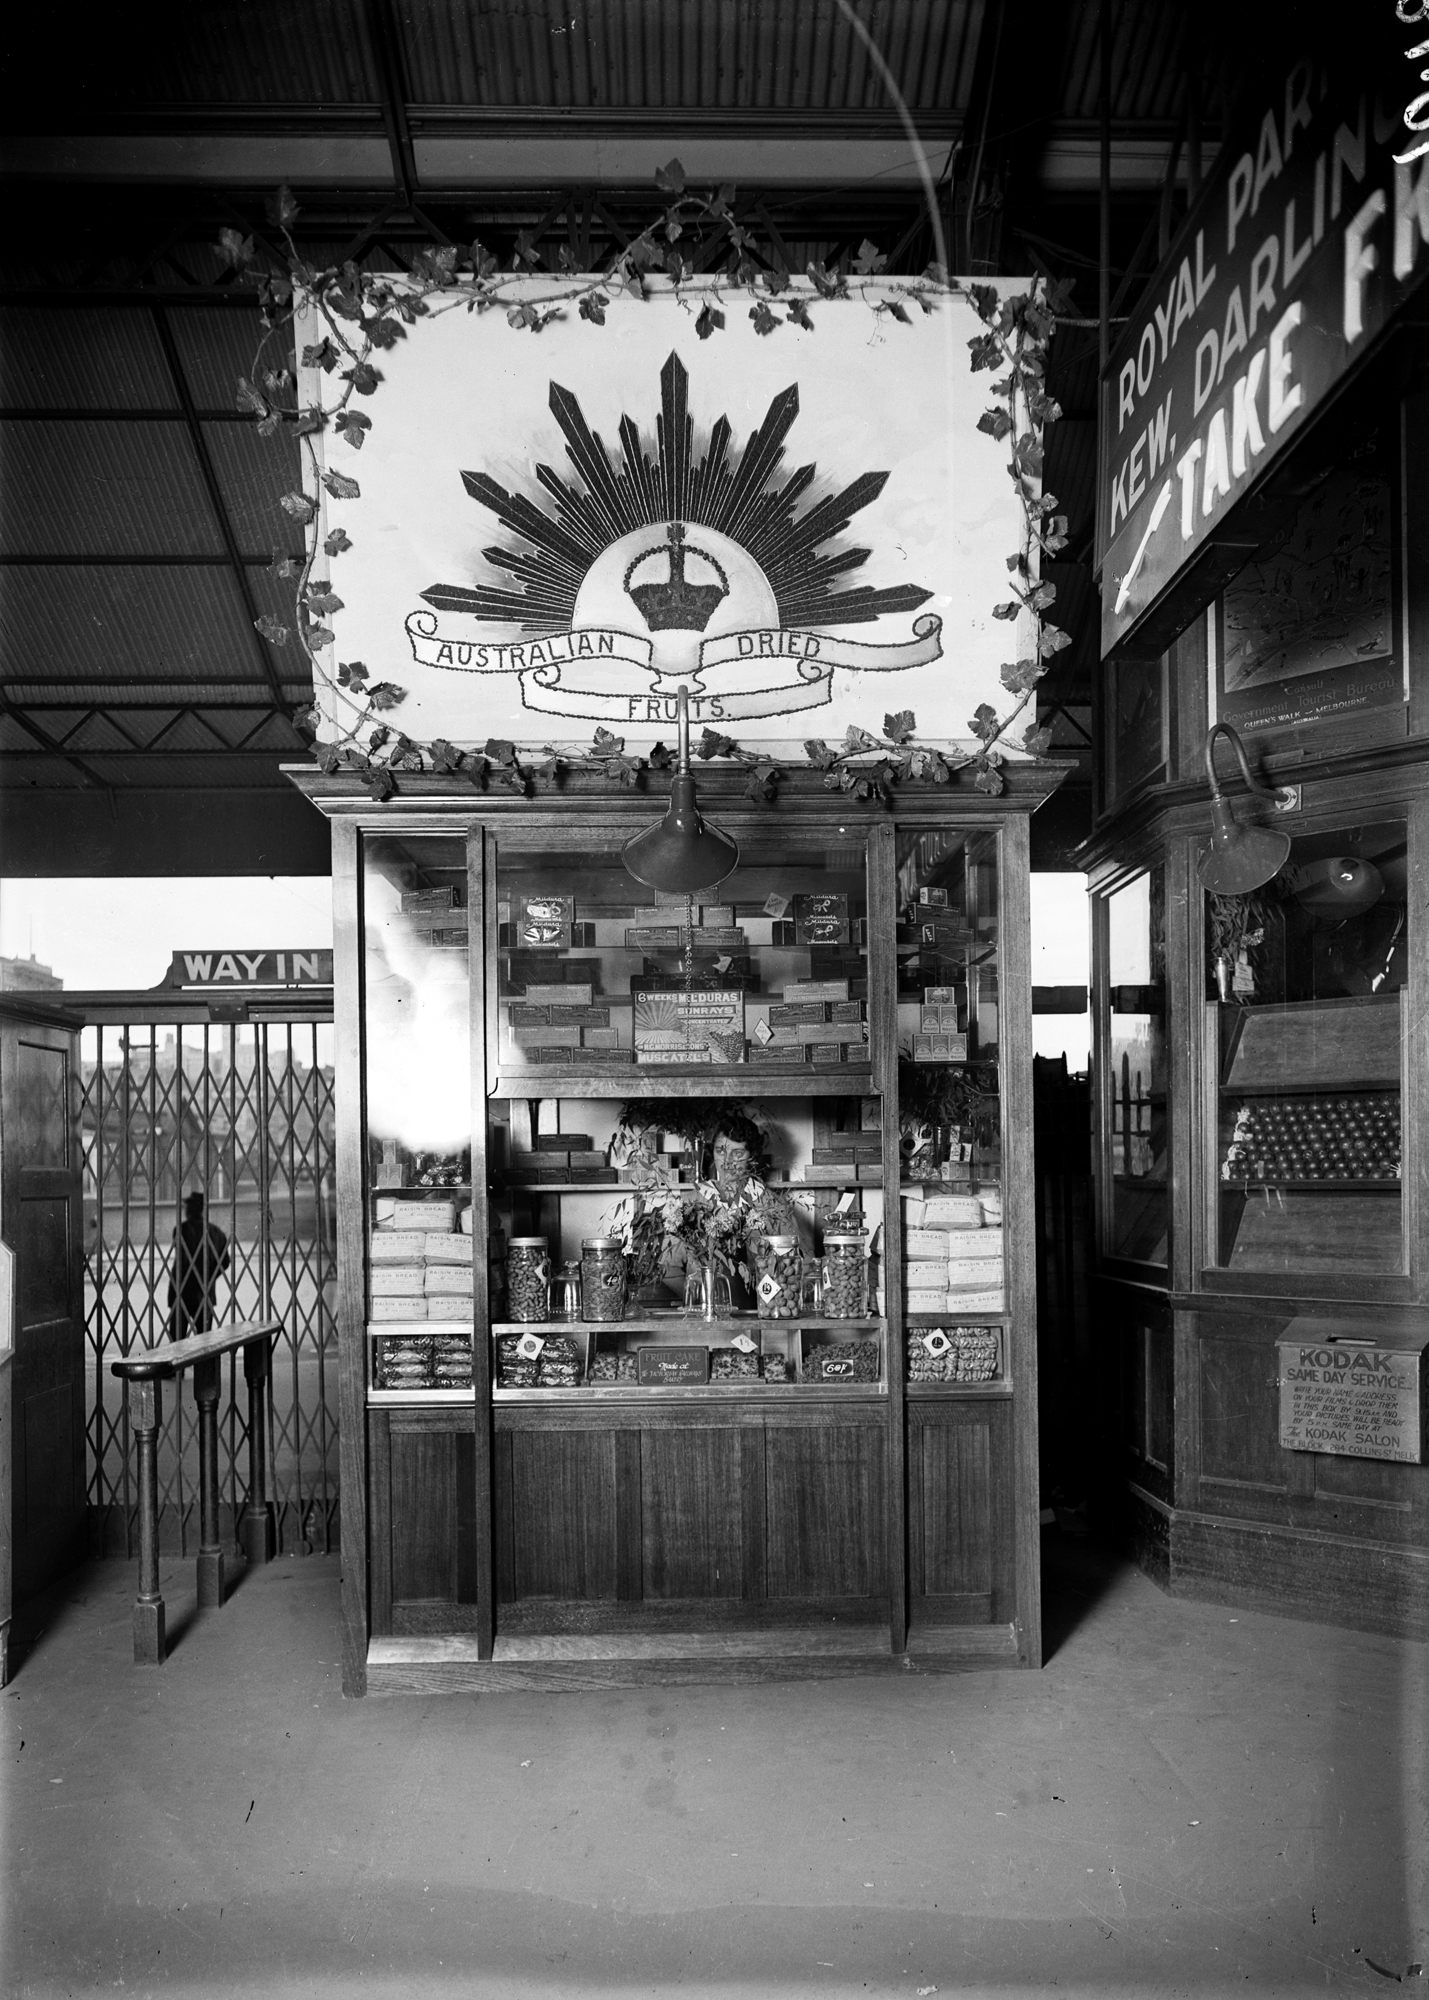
(119, 933)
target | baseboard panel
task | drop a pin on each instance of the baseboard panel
(1349, 1581)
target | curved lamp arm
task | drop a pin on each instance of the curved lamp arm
(1259, 791)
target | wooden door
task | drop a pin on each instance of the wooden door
(41, 1218)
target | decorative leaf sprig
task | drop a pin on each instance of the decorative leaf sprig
(365, 314)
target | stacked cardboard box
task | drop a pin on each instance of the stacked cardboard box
(953, 1261)
(420, 1262)
(816, 1023)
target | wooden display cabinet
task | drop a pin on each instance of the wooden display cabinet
(858, 1489)
(1277, 1171)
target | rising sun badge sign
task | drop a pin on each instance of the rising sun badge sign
(550, 530)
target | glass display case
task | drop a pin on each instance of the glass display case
(694, 1286)
(419, 1241)
(1304, 981)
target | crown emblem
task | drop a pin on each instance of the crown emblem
(677, 605)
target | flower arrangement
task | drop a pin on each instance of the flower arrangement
(710, 1223)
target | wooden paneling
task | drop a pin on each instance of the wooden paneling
(1020, 1517)
(41, 1220)
(423, 1519)
(563, 1513)
(1240, 1413)
(961, 1544)
(351, 1252)
(1371, 1480)
(956, 1492)
(690, 1494)
(825, 1497)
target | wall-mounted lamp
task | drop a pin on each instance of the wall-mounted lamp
(1240, 858)
(684, 852)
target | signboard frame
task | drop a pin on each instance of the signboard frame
(1224, 364)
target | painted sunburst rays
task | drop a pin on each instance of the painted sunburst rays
(739, 500)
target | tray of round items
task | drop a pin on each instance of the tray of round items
(841, 1359)
(735, 1364)
(969, 1356)
(541, 1361)
(609, 1368)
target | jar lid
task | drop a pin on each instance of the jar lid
(781, 1242)
(528, 1242)
(602, 1243)
(829, 1241)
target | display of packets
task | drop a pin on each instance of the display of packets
(953, 1354)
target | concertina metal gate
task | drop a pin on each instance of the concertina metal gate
(244, 1115)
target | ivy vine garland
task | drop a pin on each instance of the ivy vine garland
(363, 314)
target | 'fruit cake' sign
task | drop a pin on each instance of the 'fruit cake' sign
(1348, 1393)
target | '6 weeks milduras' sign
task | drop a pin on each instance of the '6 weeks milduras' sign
(556, 530)
(1355, 1397)
(1308, 237)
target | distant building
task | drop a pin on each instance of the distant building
(27, 975)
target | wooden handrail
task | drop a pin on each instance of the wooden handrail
(143, 1373)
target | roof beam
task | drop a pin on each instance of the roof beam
(387, 49)
(50, 744)
(237, 566)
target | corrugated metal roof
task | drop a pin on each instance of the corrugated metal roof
(253, 473)
(102, 626)
(81, 360)
(254, 52)
(707, 54)
(216, 345)
(110, 489)
(1148, 61)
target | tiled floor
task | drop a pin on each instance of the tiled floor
(1186, 1800)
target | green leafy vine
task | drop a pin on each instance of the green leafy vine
(364, 314)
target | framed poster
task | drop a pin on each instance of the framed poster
(1305, 634)
(545, 531)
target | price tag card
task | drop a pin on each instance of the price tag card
(936, 1341)
(529, 1346)
(745, 1342)
(846, 1202)
(775, 906)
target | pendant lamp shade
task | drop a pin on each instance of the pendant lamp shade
(1343, 886)
(683, 852)
(1240, 858)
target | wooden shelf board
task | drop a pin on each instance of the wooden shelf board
(630, 1187)
(441, 1398)
(601, 1395)
(669, 1080)
(1385, 1186)
(934, 1392)
(405, 1328)
(674, 1321)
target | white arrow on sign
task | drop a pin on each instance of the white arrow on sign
(1163, 501)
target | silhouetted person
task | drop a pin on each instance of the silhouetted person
(200, 1254)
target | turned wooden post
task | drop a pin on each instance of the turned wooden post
(259, 1525)
(145, 1416)
(207, 1384)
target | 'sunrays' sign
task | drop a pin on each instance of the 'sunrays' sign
(554, 530)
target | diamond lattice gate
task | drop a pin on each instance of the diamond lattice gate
(242, 1115)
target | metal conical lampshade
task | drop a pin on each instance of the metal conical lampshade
(1240, 858)
(683, 852)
